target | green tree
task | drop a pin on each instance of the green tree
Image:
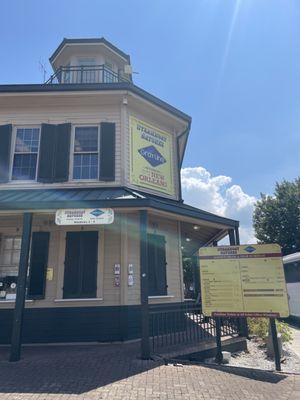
(276, 219)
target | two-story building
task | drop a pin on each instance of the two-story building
(90, 179)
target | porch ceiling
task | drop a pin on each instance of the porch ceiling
(194, 236)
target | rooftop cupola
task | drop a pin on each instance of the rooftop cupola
(82, 61)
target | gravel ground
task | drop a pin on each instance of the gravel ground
(256, 357)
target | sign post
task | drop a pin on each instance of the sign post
(244, 281)
(275, 344)
(219, 355)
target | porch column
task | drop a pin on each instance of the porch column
(234, 239)
(145, 344)
(15, 350)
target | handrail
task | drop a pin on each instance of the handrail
(85, 74)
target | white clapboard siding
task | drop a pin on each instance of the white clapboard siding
(77, 114)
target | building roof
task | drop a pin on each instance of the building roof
(102, 40)
(51, 199)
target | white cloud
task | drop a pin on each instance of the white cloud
(217, 195)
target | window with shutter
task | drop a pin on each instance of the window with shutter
(86, 153)
(26, 154)
(80, 277)
(157, 265)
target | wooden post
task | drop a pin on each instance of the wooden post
(275, 344)
(145, 344)
(16, 339)
(237, 235)
(231, 237)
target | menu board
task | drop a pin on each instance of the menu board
(243, 281)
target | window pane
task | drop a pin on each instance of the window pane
(17, 243)
(8, 243)
(6, 257)
(24, 167)
(27, 140)
(15, 257)
(86, 139)
(85, 166)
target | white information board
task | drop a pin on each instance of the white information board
(84, 216)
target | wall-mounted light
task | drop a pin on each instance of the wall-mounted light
(196, 227)
(188, 239)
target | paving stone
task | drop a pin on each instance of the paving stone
(115, 372)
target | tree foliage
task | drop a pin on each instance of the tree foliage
(276, 218)
(188, 275)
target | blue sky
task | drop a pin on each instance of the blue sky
(233, 65)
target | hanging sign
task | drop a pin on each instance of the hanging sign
(151, 162)
(243, 281)
(85, 216)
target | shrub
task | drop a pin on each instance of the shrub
(260, 327)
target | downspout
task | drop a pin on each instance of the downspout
(179, 162)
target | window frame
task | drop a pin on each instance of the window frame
(72, 152)
(2, 249)
(13, 152)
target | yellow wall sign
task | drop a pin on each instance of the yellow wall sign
(243, 281)
(151, 162)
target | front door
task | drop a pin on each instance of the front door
(80, 278)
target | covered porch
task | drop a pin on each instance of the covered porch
(138, 264)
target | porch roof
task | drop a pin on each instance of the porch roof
(52, 199)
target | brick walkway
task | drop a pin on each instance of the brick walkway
(114, 372)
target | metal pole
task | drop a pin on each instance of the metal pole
(275, 344)
(243, 321)
(145, 344)
(15, 350)
(219, 355)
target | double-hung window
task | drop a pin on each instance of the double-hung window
(26, 154)
(9, 261)
(86, 152)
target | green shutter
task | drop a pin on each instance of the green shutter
(107, 151)
(54, 153)
(80, 278)
(157, 265)
(47, 151)
(72, 266)
(62, 154)
(38, 265)
(5, 150)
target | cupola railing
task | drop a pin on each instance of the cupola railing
(86, 74)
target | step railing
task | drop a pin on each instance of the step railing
(186, 325)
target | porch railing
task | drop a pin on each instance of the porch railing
(86, 74)
(186, 325)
